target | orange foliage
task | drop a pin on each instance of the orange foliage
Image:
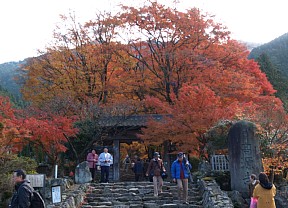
(195, 111)
(9, 132)
(182, 64)
(80, 65)
(199, 76)
(43, 131)
(46, 132)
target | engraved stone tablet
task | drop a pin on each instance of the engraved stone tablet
(244, 155)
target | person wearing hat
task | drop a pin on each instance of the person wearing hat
(155, 168)
(180, 171)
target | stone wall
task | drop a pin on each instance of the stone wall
(73, 195)
(213, 196)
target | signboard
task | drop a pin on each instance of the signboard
(36, 180)
(56, 194)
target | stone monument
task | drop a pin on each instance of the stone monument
(82, 173)
(244, 155)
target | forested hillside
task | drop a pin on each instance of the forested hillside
(273, 60)
(276, 50)
(9, 86)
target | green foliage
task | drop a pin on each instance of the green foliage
(265, 146)
(8, 164)
(273, 60)
(218, 136)
(7, 73)
(276, 50)
(277, 78)
(89, 133)
(194, 161)
(10, 82)
(223, 179)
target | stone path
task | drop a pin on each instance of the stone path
(138, 195)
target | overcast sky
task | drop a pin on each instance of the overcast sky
(27, 25)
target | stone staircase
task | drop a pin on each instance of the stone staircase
(138, 195)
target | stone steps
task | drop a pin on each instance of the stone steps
(138, 194)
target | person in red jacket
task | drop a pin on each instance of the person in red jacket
(92, 159)
(155, 168)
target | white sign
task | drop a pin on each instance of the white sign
(56, 194)
(36, 180)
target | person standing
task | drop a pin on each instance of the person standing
(265, 192)
(138, 169)
(180, 172)
(23, 190)
(92, 159)
(156, 167)
(105, 159)
(253, 182)
(126, 162)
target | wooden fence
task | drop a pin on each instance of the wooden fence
(219, 163)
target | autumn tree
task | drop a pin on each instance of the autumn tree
(183, 65)
(77, 75)
(272, 123)
(196, 110)
(8, 126)
(47, 133)
(43, 133)
(78, 66)
(199, 75)
(168, 44)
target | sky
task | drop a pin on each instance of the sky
(27, 25)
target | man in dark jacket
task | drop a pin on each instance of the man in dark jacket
(23, 190)
(138, 169)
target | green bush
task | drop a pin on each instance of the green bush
(223, 179)
(194, 161)
(8, 164)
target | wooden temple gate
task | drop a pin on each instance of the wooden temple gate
(125, 131)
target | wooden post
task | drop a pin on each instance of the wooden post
(116, 160)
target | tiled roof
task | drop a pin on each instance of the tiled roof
(132, 120)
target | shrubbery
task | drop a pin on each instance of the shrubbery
(194, 161)
(8, 164)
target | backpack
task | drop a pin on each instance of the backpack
(36, 200)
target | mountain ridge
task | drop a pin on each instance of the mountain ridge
(272, 58)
